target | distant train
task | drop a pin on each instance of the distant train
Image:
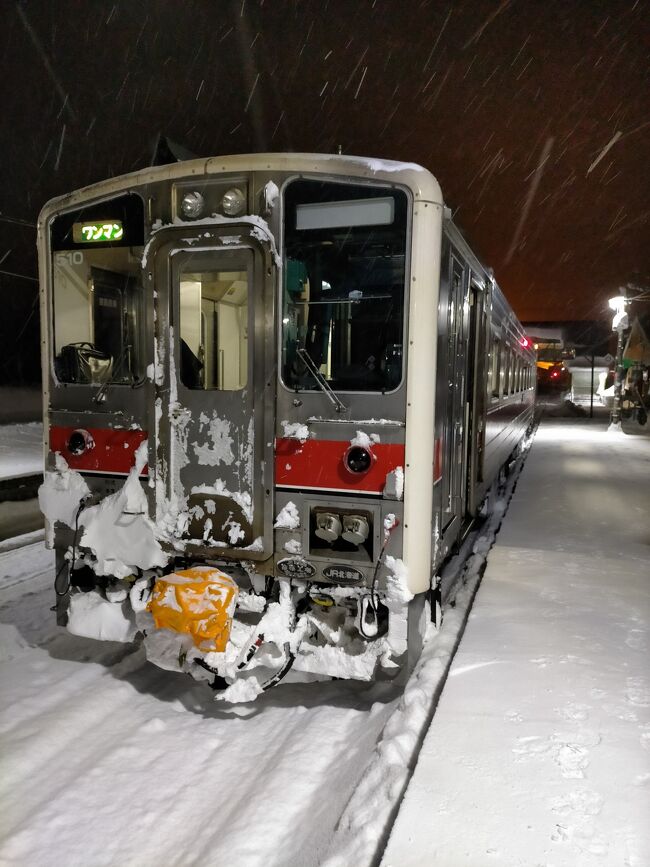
(277, 388)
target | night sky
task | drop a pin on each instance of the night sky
(532, 115)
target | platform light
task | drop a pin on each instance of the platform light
(617, 304)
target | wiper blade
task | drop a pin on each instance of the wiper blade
(102, 391)
(309, 363)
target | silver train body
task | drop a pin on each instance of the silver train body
(287, 367)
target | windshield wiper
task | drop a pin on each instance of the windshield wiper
(309, 363)
(102, 391)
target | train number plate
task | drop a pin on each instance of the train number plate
(295, 568)
(342, 574)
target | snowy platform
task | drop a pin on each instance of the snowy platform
(21, 450)
(538, 753)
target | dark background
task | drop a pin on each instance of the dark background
(532, 115)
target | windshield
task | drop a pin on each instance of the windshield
(343, 299)
(97, 294)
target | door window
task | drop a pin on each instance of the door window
(213, 317)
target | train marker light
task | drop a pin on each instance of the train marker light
(355, 529)
(525, 342)
(328, 526)
(233, 202)
(80, 441)
(192, 205)
(358, 459)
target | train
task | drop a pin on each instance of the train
(277, 389)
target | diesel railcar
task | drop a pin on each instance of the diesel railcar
(277, 388)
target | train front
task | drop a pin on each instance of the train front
(225, 366)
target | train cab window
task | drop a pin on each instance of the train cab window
(344, 286)
(98, 300)
(98, 316)
(213, 308)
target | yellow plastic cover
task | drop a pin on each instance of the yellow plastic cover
(198, 601)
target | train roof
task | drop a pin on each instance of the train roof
(420, 180)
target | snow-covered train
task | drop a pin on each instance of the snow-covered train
(277, 387)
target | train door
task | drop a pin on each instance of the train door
(455, 452)
(475, 398)
(215, 391)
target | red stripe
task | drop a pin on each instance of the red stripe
(113, 450)
(318, 464)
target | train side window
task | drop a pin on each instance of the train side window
(214, 329)
(495, 371)
(505, 369)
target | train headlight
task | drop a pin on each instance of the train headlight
(328, 526)
(192, 205)
(80, 441)
(355, 529)
(358, 459)
(233, 202)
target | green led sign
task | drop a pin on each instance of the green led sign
(92, 233)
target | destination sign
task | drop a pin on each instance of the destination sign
(97, 232)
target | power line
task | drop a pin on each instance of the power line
(17, 220)
(20, 276)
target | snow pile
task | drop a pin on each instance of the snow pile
(364, 440)
(288, 518)
(219, 448)
(293, 546)
(243, 690)
(271, 195)
(390, 521)
(92, 616)
(60, 495)
(295, 431)
(397, 591)
(399, 482)
(118, 530)
(357, 662)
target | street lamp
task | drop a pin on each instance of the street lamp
(619, 324)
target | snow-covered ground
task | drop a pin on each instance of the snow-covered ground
(108, 760)
(539, 750)
(21, 450)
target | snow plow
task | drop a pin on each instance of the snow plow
(277, 388)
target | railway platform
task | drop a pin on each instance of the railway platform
(21, 473)
(539, 750)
